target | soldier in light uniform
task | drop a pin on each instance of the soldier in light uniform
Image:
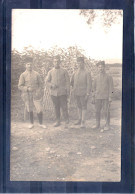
(59, 83)
(81, 83)
(30, 84)
(102, 95)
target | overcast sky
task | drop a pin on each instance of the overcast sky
(43, 29)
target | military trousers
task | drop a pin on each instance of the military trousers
(60, 103)
(104, 105)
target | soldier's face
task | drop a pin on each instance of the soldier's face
(80, 64)
(56, 63)
(101, 68)
(29, 66)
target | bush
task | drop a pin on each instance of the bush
(43, 62)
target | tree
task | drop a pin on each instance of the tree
(108, 17)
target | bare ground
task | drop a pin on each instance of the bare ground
(71, 154)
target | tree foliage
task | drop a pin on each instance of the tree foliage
(108, 17)
(43, 62)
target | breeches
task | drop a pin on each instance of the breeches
(81, 102)
(102, 104)
(31, 103)
(105, 106)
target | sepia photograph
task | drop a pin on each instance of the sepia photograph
(66, 95)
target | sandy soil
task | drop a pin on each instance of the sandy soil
(71, 154)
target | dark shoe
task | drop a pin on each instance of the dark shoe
(57, 124)
(66, 124)
(30, 126)
(67, 121)
(107, 127)
(78, 122)
(96, 127)
(42, 126)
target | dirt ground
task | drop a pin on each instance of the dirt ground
(71, 154)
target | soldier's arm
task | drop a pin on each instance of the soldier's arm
(89, 83)
(93, 91)
(72, 80)
(111, 87)
(48, 79)
(93, 87)
(21, 84)
(67, 82)
(40, 82)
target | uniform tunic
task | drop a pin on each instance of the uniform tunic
(31, 80)
(81, 82)
(60, 79)
(59, 82)
(103, 86)
(102, 92)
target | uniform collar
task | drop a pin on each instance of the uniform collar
(81, 70)
(56, 68)
(29, 72)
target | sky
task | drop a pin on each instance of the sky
(43, 29)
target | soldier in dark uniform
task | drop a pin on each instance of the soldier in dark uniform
(59, 82)
(102, 95)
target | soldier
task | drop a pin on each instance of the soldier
(59, 83)
(30, 84)
(81, 83)
(102, 95)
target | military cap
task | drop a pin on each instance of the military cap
(29, 62)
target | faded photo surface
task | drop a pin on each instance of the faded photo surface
(66, 92)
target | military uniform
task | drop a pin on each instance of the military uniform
(81, 83)
(32, 80)
(59, 83)
(102, 93)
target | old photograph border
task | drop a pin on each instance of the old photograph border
(127, 182)
(68, 152)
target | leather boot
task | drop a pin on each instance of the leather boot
(78, 122)
(83, 119)
(57, 124)
(80, 117)
(31, 125)
(97, 121)
(107, 118)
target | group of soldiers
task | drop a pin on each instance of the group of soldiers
(101, 90)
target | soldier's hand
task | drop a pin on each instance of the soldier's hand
(53, 86)
(93, 100)
(29, 89)
(110, 99)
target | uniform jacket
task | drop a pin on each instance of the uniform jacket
(81, 83)
(103, 86)
(59, 82)
(32, 80)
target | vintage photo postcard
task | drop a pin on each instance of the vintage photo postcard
(66, 95)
